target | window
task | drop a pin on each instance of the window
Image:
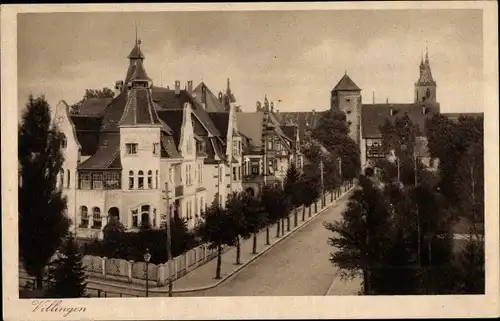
(186, 173)
(96, 218)
(131, 180)
(374, 148)
(64, 141)
(141, 180)
(135, 219)
(69, 178)
(201, 205)
(156, 179)
(190, 178)
(349, 123)
(112, 180)
(85, 180)
(145, 215)
(150, 179)
(84, 216)
(428, 93)
(97, 181)
(348, 100)
(154, 216)
(255, 168)
(61, 178)
(270, 143)
(235, 176)
(200, 173)
(220, 174)
(431, 162)
(156, 148)
(131, 148)
(348, 111)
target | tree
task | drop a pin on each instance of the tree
(91, 93)
(471, 269)
(333, 133)
(361, 239)
(235, 207)
(276, 205)
(255, 218)
(293, 189)
(43, 224)
(310, 193)
(215, 229)
(67, 275)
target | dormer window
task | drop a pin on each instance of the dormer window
(348, 111)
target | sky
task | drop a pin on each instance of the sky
(295, 57)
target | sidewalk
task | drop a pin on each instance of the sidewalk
(203, 277)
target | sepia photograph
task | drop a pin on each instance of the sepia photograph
(248, 154)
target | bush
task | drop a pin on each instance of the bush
(132, 245)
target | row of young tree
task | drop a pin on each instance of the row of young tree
(397, 230)
(244, 216)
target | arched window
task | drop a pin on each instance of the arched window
(69, 178)
(84, 216)
(150, 179)
(141, 180)
(428, 93)
(145, 222)
(96, 218)
(61, 178)
(156, 179)
(131, 180)
(64, 141)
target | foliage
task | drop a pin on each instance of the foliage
(43, 224)
(132, 245)
(471, 269)
(67, 274)
(275, 203)
(367, 214)
(333, 133)
(310, 191)
(91, 93)
(292, 186)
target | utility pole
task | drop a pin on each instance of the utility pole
(322, 182)
(169, 241)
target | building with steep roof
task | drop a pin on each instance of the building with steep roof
(373, 116)
(269, 148)
(122, 154)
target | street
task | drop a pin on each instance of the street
(297, 266)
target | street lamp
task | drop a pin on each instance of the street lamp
(367, 259)
(147, 257)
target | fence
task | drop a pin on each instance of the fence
(135, 272)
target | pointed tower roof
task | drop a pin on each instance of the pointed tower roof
(136, 52)
(425, 72)
(140, 73)
(346, 84)
(229, 94)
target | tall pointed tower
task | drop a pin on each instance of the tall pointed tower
(425, 87)
(346, 97)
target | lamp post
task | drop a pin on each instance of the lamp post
(366, 282)
(147, 257)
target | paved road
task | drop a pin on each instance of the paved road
(297, 266)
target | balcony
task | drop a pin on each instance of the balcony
(179, 191)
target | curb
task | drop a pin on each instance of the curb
(235, 271)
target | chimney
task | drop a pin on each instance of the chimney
(177, 87)
(258, 106)
(373, 98)
(387, 100)
(118, 87)
(424, 110)
(391, 111)
(190, 86)
(220, 96)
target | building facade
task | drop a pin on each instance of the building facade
(144, 152)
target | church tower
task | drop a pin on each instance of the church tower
(425, 87)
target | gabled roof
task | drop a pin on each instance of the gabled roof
(374, 115)
(346, 84)
(139, 109)
(114, 113)
(87, 133)
(290, 131)
(173, 118)
(168, 99)
(250, 125)
(212, 104)
(107, 155)
(304, 119)
(94, 106)
(221, 121)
